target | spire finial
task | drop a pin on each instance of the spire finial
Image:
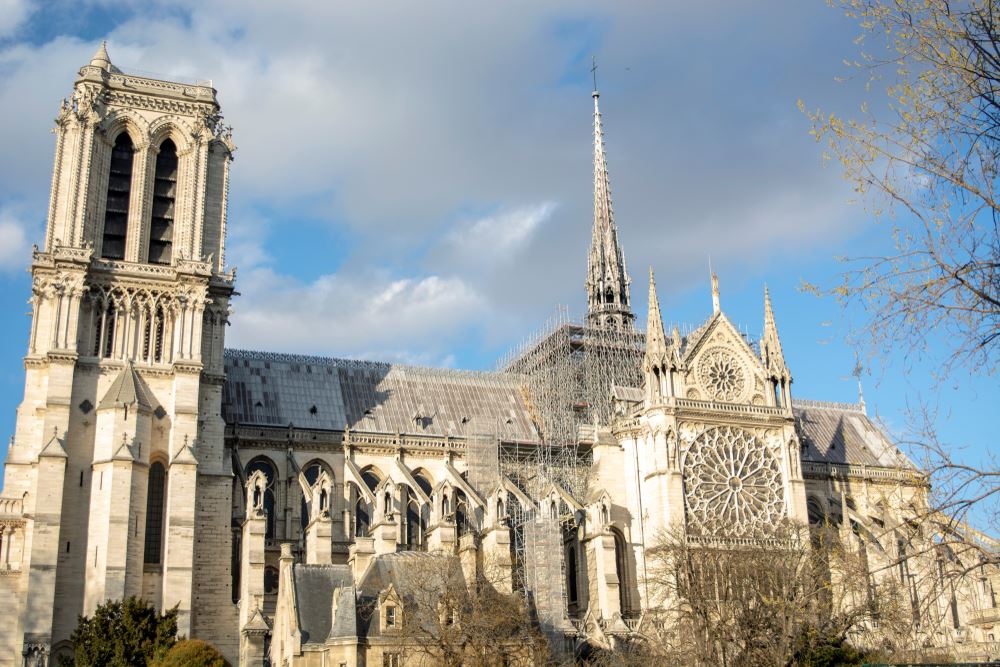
(716, 307)
(768, 312)
(593, 71)
(858, 369)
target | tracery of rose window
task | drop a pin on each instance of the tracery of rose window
(732, 484)
(722, 375)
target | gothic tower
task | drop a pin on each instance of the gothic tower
(608, 300)
(116, 473)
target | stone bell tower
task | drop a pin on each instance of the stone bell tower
(116, 476)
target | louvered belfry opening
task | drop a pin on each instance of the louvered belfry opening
(161, 227)
(119, 190)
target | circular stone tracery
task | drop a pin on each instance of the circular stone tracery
(732, 484)
(722, 375)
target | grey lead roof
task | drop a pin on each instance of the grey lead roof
(314, 588)
(333, 394)
(843, 433)
(326, 393)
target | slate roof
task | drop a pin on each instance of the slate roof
(397, 569)
(334, 394)
(314, 588)
(843, 433)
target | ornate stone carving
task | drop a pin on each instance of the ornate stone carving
(732, 484)
(723, 375)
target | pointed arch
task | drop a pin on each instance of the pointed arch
(161, 224)
(270, 472)
(118, 197)
(311, 473)
(621, 569)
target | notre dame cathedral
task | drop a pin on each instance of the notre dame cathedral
(268, 496)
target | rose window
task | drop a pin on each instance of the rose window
(732, 484)
(722, 375)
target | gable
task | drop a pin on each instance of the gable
(722, 367)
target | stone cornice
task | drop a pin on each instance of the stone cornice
(385, 444)
(707, 411)
(822, 471)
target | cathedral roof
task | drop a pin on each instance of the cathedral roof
(843, 433)
(315, 586)
(336, 394)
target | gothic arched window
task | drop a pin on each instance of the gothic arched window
(371, 477)
(461, 513)
(311, 472)
(362, 517)
(571, 574)
(423, 480)
(621, 569)
(414, 538)
(154, 513)
(266, 467)
(161, 224)
(104, 329)
(119, 196)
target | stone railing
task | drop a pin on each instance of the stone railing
(827, 405)
(734, 408)
(982, 616)
(861, 471)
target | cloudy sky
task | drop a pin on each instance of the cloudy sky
(414, 180)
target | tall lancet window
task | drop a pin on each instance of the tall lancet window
(161, 226)
(119, 191)
(154, 513)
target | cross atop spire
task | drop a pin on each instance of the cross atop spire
(608, 298)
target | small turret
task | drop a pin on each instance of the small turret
(773, 358)
(655, 363)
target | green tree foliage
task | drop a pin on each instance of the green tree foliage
(191, 653)
(928, 166)
(123, 633)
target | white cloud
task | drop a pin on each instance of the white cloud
(494, 239)
(355, 315)
(14, 253)
(392, 130)
(13, 13)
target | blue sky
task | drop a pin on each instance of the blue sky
(413, 180)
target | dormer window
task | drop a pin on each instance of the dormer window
(390, 616)
(116, 205)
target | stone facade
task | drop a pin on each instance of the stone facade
(272, 496)
(124, 368)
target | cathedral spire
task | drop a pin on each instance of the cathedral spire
(654, 363)
(656, 338)
(608, 298)
(770, 352)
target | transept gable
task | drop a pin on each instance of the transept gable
(722, 366)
